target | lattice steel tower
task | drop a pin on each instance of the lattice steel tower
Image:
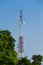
(21, 43)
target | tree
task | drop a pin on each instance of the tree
(24, 61)
(37, 59)
(8, 55)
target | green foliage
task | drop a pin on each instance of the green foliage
(37, 59)
(8, 55)
(6, 40)
(24, 61)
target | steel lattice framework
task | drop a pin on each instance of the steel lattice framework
(21, 43)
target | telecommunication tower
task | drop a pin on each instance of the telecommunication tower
(21, 43)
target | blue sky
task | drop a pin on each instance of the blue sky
(33, 18)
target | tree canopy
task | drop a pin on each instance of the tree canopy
(8, 55)
(37, 59)
(24, 61)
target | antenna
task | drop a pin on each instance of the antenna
(21, 43)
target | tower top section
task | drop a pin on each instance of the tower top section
(21, 16)
(21, 22)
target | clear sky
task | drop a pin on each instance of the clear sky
(33, 18)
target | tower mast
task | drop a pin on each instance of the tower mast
(20, 48)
